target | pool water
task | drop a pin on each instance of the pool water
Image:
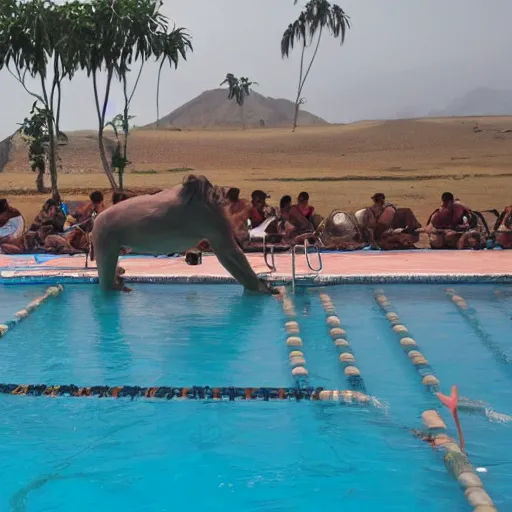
(81, 454)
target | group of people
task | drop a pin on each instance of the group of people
(381, 226)
(61, 229)
(284, 223)
(57, 228)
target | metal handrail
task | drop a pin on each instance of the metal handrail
(294, 253)
(320, 264)
(272, 265)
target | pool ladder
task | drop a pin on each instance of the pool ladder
(269, 251)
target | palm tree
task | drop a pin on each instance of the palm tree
(176, 45)
(238, 90)
(316, 17)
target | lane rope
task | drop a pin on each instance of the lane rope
(294, 343)
(457, 463)
(429, 379)
(470, 314)
(191, 393)
(408, 344)
(339, 337)
(22, 314)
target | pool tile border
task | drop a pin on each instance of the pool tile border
(20, 277)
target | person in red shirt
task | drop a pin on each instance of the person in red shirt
(452, 214)
(260, 211)
(304, 207)
(293, 222)
(449, 225)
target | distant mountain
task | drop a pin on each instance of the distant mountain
(479, 102)
(212, 109)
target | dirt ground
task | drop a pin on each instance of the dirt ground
(412, 161)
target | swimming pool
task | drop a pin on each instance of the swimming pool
(77, 454)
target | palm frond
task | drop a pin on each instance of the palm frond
(316, 15)
(238, 88)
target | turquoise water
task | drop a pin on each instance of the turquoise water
(81, 454)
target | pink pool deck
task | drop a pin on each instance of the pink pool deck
(337, 265)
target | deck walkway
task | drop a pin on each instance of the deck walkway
(335, 265)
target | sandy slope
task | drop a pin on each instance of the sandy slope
(413, 162)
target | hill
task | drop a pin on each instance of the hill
(412, 161)
(478, 102)
(212, 109)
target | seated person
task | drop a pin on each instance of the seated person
(47, 231)
(292, 222)
(377, 219)
(303, 205)
(87, 211)
(260, 211)
(12, 226)
(449, 226)
(50, 215)
(403, 233)
(503, 229)
(237, 211)
(389, 228)
(305, 209)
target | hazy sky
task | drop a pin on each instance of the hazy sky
(399, 54)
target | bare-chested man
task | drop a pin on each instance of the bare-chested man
(237, 211)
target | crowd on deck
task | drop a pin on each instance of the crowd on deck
(64, 228)
(382, 225)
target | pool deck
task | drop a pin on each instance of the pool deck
(365, 266)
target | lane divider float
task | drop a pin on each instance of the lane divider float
(52, 291)
(457, 463)
(339, 338)
(346, 397)
(408, 344)
(429, 379)
(470, 315)
(294, 344)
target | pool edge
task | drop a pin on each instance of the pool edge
(19, 277)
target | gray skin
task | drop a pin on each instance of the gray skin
(170, 221)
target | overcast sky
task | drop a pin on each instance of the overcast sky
(399, 55)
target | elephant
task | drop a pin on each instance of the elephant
(170, 221)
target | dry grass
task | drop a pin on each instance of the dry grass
(413, 162)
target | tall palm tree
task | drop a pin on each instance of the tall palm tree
(316, 17)
(238, 90)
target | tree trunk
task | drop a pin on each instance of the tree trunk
(303, 77)
(40, 180)
(296, 115)
(104, 161)
(101, 125)
(158, 96)
(242, 112)
(52, 152)
(52, 157)
(121, 172)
